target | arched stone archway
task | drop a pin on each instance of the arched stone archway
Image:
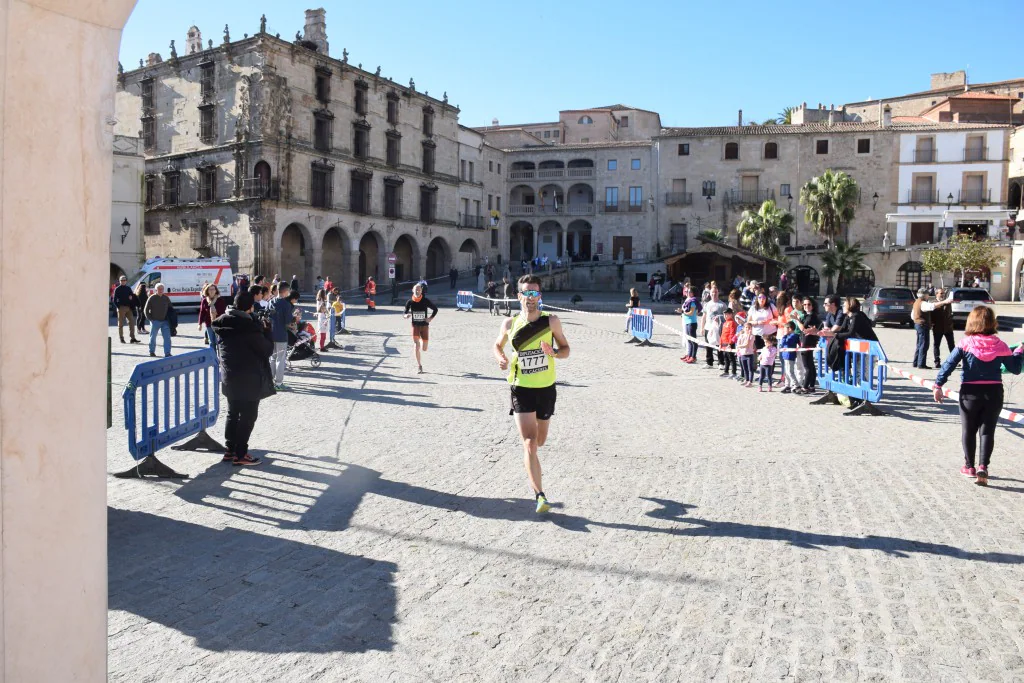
(1015, 199)
(261, 175)
(372, 257)
(549, 239)
(806, 280)
(115, 273)
(469, 254)
(296, 256)
(520, 238)
(439, 258)
(407, 257)
(336, 248)
(578, 240)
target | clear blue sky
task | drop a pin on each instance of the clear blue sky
(696, 63)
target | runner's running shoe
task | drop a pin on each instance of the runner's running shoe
(246, 461)
(968, 471)
(542, 505)
(982, 479)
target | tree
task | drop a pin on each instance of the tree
(716, 235)
(967, 253)
(761, 231)
(829, 201)
(936, 261)
(843, 260)
(785, 116)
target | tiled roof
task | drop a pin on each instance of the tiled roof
(972, 95)
(936, 91)
(512, 126)
(846, 127)
(582, 145)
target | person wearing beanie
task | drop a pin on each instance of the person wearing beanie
(244, 346)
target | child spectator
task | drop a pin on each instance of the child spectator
(339, 313)
(790, 340)
(727, 343)
(745, 353)
(323, 320)
(767, 358)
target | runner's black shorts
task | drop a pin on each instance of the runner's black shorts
(531, 400)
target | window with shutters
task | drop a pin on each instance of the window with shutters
(732, 150)
(359, 199)
(428, 157)
(361, 97)
(321, 185)
(207, 86)
(393, 108)
(771, 150)
(208, 184)
(172, 185)
(821, 146)
(683, 149)
(428, 203)
(323, 84)
(707, 188)
(393, 197)
(147, 88)
(428, 121)
(360, 140)
(206, 123)
(149, 133)
(151, 195)
(323, 123)
(394, 147)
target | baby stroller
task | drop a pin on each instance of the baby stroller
(302, 346)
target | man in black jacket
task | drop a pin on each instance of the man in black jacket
(124, 301)
(244, 346)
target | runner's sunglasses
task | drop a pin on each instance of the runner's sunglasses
(530, 293)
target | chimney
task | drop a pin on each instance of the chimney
(153, 58)
(316, 29)
(494, 121)
(741, 118)
(887, 116)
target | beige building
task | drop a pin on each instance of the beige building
(287, 160)
(942, 87)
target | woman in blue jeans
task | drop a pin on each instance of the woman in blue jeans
(691, 312)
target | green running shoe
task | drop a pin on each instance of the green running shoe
(542, 505)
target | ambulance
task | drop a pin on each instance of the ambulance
(183, 278)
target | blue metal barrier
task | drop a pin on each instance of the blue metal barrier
(168, 400)
(464, 300)
(641, 325)
(862, 376)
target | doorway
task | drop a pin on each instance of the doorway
(625, 244)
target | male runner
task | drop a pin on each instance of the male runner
(532, 374)
(416, 307)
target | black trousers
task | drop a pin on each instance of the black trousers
(241, 419)
(810, 372)
(730, 360)
(979, 412)
(938, 336)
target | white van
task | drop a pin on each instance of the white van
(182, 278)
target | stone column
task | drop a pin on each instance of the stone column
(565, 232)
(318, 267)
(55, 193)
(350, 270)
(421, 264)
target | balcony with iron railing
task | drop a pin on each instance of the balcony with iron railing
(678, 198)
(574, 209)
(923, 197)
(976, 196)
(748, 197)
(975, 153)
(258, 188)
(471, 221)
(925, 156)
(620, 207)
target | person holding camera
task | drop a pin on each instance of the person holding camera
(244, 346)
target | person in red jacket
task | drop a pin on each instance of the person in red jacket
(211, 307)
(727, 342)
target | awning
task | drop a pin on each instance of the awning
(977, 214)
(912, 217)
(708, 246)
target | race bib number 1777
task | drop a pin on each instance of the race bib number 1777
(532, 361)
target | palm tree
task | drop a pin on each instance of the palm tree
(829, 201)
(716, 235)
(761, 231)
(785, 116)
(843, 260)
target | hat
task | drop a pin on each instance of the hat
(244, 301)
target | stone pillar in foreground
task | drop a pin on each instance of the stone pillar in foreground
(59, 62)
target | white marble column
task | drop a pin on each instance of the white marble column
(59, 62)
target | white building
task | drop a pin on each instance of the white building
(127, 247)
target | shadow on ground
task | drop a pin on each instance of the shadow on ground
(241, 591)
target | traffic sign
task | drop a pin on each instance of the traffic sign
(391, 272)
(392, 258)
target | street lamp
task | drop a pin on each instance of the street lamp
(125, 227)
(874, 201)
(949, 201)
(789, 196)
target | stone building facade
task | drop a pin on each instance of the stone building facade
(287, 160)
(942, 86)
(127, 249)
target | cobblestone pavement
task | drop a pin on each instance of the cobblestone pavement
(702, 531)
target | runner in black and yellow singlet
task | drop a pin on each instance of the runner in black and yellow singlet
(531, 372)
(417, 308)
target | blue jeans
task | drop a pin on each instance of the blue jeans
(691, 346)
(211, 337)
(921, 352)
(164, 328)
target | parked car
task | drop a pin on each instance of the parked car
(965, 299)
(889, 305)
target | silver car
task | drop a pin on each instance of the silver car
(965, 299)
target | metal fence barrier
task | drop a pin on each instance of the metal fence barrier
(861, 377)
